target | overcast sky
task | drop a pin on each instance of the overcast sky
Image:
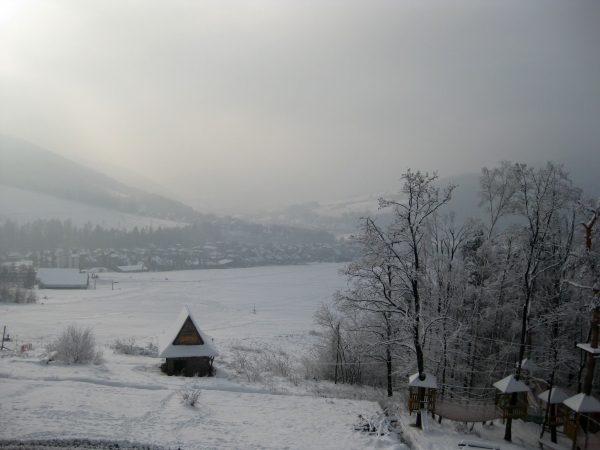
(259, 104)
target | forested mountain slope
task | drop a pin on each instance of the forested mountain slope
(27, 166)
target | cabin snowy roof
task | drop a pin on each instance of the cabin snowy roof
(429, 381)
(582, 403)
(509, 385)
(558, 396)
(167, 348)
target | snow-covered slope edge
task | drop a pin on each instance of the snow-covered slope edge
(25, 206)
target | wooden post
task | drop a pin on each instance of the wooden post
(3, 333)
(591, 362)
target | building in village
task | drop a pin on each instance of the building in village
(62, 279)
(187, 350)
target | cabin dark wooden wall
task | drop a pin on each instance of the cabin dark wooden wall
(188, 366)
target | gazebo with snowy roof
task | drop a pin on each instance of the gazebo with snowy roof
(581, 405)
(507, 387)
(557, 413)
(421, 392)
(528, 364)
(188, 351)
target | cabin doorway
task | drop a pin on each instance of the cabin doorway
(179, 366)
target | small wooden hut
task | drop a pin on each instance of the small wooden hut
(187, 350)
(421, 393)
(507, 387)
(557, 413)
(582, 407)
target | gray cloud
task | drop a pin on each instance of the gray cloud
(250, 105)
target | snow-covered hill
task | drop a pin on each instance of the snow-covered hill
(24, 206)
(341, 216)
(26, 166)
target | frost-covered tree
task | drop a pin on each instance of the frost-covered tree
(76, 344)
(587, 262)
(542, 201)
(449, 292)
(469, 301)
(390, 279)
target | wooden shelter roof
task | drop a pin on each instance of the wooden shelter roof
(558, 396)
(509, 385)
(582, 403)
(429, 382)
(185, 339)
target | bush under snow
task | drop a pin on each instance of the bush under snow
(13, 293)
(129, 347)
(75, 345)
(189, 395)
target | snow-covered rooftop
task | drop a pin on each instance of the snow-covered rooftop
(558, 396)
(62, 278)
(528, 364)
(133, 268)
(166, 348)
(429, 381)
(509, 385)
(582, 403)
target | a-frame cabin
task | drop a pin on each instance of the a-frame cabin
(188, 351)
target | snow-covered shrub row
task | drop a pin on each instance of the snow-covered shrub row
(343, 352)
(75, 345)
(378, 424)
(466, 301)
(128, 346)
(261, 365)
(63, 444)
(13, 293)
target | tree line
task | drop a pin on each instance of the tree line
(468, 301)
(48, 235)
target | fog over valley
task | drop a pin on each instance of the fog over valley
(241, 107)
(299, 224)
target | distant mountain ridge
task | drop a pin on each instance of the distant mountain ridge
(26, 166)
(341, 217)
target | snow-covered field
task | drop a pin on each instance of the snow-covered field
(127, 398)
(27, 206)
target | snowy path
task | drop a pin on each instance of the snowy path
(222, 420)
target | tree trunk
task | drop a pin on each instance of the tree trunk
(553, 427)
(390, 391)
(508, 429)
(591, 361)
(513, 397)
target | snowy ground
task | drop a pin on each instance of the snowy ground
(127, 398)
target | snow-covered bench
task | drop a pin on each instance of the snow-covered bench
(465, 443)
(551, 445)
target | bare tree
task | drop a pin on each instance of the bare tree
(390, 278)
(539, 199)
